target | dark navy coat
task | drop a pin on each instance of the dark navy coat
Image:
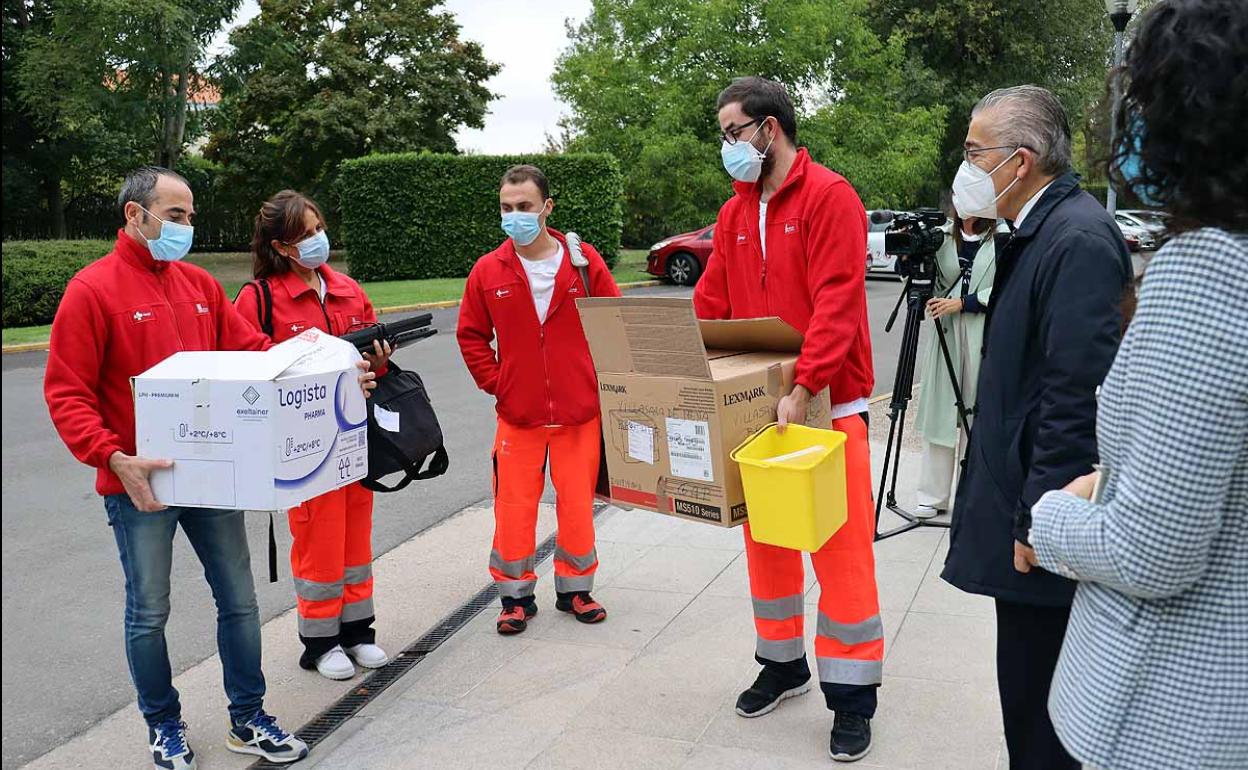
(1052, 332)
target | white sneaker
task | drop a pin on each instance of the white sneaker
(926, 512)
(368, 655)
(335, 665)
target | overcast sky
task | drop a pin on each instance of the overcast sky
(524, 37)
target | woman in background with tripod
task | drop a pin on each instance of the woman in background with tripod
(966, 265)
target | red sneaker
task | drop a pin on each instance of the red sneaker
(582, 605)
(514, 619)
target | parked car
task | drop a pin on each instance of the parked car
(1155, 222)
(878, 263)
(1137, 236)
(681, 258)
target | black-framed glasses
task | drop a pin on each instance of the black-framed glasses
(970, 154)
(733, 135)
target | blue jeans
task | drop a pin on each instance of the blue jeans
(145, 542)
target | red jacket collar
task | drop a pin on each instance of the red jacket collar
(336, 283)
(563, 279)
(507, 253)
(754, 190)
(136, 254)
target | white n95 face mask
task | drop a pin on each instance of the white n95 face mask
(973, 193)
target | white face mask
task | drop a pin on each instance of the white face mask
(973, 192)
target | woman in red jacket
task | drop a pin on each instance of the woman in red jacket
(331, 553)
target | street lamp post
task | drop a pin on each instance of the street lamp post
(1120, 12)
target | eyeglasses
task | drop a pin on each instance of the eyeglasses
(969, 155)
(733, 135)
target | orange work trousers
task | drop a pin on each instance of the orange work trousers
(849, 640)
(331, 559)
(521, 456)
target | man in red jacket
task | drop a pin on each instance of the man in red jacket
(120, 316)
(523, 296)
(792, 243)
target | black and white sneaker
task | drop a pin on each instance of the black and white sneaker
(261, 736)
(851, 737)
(775, 683)
(170, 751)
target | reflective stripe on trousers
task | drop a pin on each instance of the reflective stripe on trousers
(521, 456)
(331, 560)
(849, 643)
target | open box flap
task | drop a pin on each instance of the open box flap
(644, 335)
(751, 335)
(316, 352)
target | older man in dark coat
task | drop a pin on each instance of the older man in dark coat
(1052, 332)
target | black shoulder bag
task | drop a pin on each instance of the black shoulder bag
(403, 432)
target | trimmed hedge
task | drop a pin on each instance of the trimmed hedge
(35, 275)
(426, 215)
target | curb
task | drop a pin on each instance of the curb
(31, 347)
(26, 347)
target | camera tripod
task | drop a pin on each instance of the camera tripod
(919, 288)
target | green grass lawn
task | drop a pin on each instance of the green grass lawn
(23, 335)
(234, 269)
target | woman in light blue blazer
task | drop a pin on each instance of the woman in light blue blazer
(1154, 669)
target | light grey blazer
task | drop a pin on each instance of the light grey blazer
(1154, 669)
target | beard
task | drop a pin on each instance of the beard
(769, 162)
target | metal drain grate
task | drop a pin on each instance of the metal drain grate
(333, 717)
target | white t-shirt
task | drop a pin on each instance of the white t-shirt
(322, 288)
(542, 274)
(762, 227)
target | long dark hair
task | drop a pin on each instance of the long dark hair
(1185, 104)
(280, 219)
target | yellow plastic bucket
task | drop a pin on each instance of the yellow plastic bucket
(794, 485)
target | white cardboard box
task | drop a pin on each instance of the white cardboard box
(252, 430)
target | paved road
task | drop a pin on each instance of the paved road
(63, 664)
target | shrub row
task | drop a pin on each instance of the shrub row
(35, 275)
(425, 215)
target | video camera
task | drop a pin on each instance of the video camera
(913, 239)
(397, 333)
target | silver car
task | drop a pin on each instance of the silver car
(878, 262)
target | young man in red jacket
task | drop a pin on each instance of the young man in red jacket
(120, 316)
(792, 243)
(523, 296)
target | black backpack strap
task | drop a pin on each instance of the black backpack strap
(585, 281)
(438, 465)
(272, 551)
(266, 320)
(264, 304)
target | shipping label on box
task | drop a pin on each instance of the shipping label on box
(252, 430)
(678, 395)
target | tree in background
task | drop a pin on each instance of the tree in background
(975, 46)
(93, 87)
(642, 76)
(309, 83)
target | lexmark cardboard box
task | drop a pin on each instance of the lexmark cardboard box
(259, 431)
(678, 395)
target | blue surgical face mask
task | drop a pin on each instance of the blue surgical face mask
(313, 250)
(174, 242)
(1132, 165)
(742, 160)
(523, 227)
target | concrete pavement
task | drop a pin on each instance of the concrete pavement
(653, 687)
(62, 585)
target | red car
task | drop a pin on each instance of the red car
(681, 258)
